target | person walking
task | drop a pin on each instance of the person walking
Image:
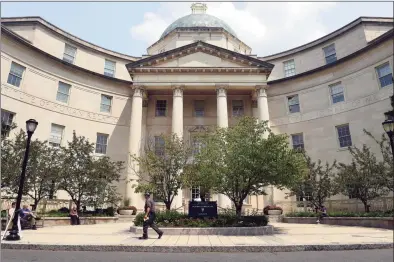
(74, 216)
(149, 218)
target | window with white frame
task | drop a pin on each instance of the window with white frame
(289, 67)
(101, 143)
(298, 141)
(15, 75)
(69, 53)
(294, 104)
(159, 146)
(330, 54)
(195, 192)
(238, 107)
(109, 68)
(55, 139)
(336, 91)
(161, 107)
(6, 122)
(199, 108)
(106, 103)
(247, 200)
(344, 137)
(197, 144)
(63, 92)
(385, 75)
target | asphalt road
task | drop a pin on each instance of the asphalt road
(383, 255)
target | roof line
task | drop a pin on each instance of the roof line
(27, 43)
(388, 35)
(154, 57)
(65, 34)
(198, 27)
(325, 38)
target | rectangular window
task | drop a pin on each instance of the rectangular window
(109, 68)
(246, 200)
(159, 146)
(101, 143)
(195, 192)
(197, 144)
(289, 67)
(294, 104)
(69, 53)
(161, 107)
(56, 136)
(385, 75)
(344, 136)
(106, 103)
(336, 91)
(199, 108)
(298, 141)
(330, 54)
(15, 75)
(63, 92)
(238, 107)
(6, 122)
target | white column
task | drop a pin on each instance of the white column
(135, 135)
(222, 122)
(263, 115)
(177, 129)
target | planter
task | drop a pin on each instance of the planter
(125, 212)
(274, 212)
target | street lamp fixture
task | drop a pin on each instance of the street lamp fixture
(31, 126)
(388, 127)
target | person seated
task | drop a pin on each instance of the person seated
(74, 216)
(28, 216)
(323, 210)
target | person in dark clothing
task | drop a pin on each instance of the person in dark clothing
(149, 218)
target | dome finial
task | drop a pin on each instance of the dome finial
(199, 8)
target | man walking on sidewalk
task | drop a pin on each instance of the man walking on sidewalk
(149, 218)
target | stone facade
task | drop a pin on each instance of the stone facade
(225, 78)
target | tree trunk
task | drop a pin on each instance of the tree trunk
(78, 205)
(238, 209)
(366, 206)
(168, 205)
(36, 201)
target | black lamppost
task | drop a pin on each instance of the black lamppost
(31, 126)
(388, 126)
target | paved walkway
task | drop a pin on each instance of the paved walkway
(111, 236)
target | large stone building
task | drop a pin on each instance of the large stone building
(199, 74)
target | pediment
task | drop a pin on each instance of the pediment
(199, 56)
(198, 59)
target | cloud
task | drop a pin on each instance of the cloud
(265, 26)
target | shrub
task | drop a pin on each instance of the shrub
(175, 219)
(110, 211)
(269, 207)
(64, 210)
(344, 214)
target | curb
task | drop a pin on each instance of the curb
(196, 249)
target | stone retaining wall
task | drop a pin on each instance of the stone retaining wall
(65, 221)
(376, 222)
(225, 231)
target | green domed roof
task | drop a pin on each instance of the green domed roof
(198, 20)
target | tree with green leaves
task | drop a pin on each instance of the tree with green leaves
(161, 166)
(88, 179)
(239, 161)
(387, 154)
(317, 182)
(42, 169)
(362, 178)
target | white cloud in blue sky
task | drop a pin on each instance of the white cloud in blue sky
(130, 28)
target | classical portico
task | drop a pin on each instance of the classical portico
(223, 84)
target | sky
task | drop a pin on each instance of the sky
(131, 27)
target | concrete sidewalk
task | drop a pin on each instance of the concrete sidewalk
(287, 237)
